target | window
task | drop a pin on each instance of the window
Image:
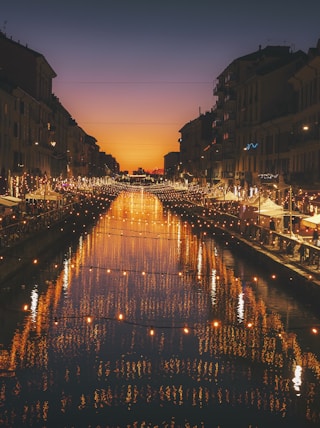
(15, 130)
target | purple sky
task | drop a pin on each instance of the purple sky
(132, 72)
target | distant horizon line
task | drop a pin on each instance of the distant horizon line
(136, 82)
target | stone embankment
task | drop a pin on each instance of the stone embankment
(290, 260)
(30, 241)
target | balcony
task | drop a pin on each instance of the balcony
(219, 88)
(217, 123)
(229, 116)
(230, 98)
(216, 139)
(228, 137)
(219, 105)
(230, 79)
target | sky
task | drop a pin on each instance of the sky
(132, 73)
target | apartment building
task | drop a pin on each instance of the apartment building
(305, 133)
(38, 136)
(195, 154)
(265, 105)
(264, 124)
(172, 166)
(253, 93)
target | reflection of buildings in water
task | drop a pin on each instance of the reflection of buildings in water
(130, 264)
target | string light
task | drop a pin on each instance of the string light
(120, 317)
(152, 327)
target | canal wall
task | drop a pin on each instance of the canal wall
(285, 268)
(33, 248)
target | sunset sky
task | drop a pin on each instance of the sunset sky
(132, 73)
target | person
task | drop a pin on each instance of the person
(272, 224)
(301, 251)
(315, 236)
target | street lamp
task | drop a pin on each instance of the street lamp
(290, 209)
(259, 202)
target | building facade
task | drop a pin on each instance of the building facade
(264, 124)
(305, 133)
(195, 142)
(172, 166)
(39, 139)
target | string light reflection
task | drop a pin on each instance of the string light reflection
(176, 311)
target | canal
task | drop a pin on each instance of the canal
(145, 322)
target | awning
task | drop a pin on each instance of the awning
(7, 203)
(48, 195)
(274, 213)
(11, 198)
(229, 196)
(254, 201)
(311, 221)
(269, 205)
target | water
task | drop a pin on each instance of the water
(145, 323)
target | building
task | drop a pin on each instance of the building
(265, 105)
(195, 149)
(305, 132)
(171, 166)
(264, 124)
(253, 92)
(39, 139)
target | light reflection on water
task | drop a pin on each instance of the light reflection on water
(73, 362)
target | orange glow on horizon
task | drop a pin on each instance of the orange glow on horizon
(135, 146)
(138, 124)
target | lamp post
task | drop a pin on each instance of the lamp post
(259, 202)
(290, 209)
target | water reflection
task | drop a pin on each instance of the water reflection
(147, 324)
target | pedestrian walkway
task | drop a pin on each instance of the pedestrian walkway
(307, 265)
(282, 248)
